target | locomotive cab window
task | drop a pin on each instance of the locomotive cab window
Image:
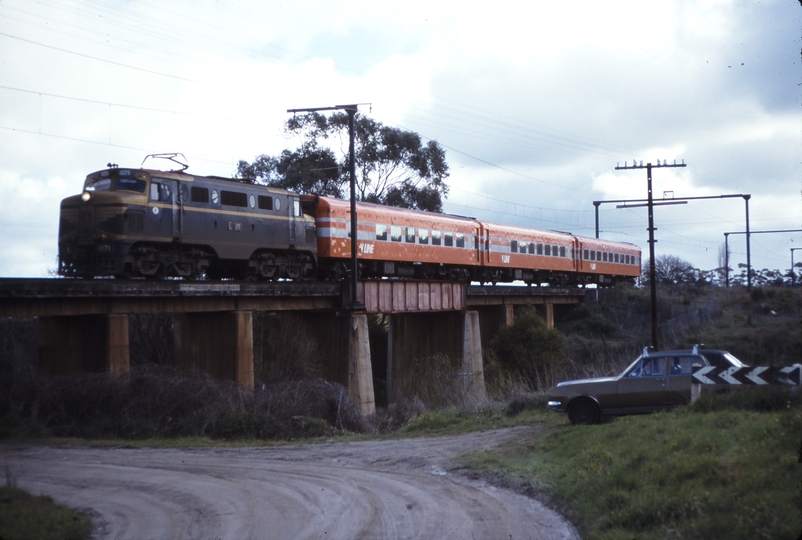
(131, 184)
(159, 192)
(101, 184)
(296, 208)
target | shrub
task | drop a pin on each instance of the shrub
(529, 349)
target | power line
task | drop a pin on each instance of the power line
(96, 58)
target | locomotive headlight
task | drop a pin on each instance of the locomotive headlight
(85, 196)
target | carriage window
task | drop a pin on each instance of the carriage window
(592, 255)
(514, 246)
(460, 240)
(531, 248)
(423, 236)
(548, 250)
(381, 232)
(522, 246)
(616, 257)
(562, 251)
(199, 194)
(448, 239)
(605, 256)
(395, 233)
(598, 256)
(265, 202)
(131, 184)
(436, 235)
(540, 249)
(587, 255)
(410, 235)
(626, 259)
(234, 198)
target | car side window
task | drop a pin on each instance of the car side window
(683, 365)
(649, 367)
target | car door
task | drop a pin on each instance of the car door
(680, 374)
(645, 386)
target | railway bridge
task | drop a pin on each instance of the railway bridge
(83, 324)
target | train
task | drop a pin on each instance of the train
(149, 223)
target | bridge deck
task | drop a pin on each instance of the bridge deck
(22, 297)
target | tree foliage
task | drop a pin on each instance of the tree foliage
(671, 270)
(393, 166)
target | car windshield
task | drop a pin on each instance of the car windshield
(632, 367)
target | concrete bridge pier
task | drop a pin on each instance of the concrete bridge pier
(344, 342)
(420, 344)
(217, 343)
(88, 343)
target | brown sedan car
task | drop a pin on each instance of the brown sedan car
(656, 381)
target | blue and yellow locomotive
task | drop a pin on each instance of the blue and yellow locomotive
(151, 223)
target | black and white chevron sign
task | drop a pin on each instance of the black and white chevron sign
(748, 375)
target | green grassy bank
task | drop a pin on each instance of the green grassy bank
(723, 474)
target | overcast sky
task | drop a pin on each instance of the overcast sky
(535, 103)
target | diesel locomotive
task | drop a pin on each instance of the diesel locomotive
(133, 223)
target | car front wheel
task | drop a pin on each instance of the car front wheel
(583, 411)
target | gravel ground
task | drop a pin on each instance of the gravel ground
(390, 489)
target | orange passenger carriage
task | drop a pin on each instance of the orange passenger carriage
(410, 243)
(393, 241)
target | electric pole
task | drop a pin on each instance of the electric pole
(650, 204)
(351, 110)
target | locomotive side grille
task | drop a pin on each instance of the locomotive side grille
(135, 221)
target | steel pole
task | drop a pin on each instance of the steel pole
(748, 246)
(354, 233)
(652, 272)
(727, 259)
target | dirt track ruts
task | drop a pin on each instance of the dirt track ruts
(389, 489)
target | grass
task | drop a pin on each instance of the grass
(454, 421)
(24, 516)
(725, 474)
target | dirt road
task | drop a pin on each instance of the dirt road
(373, 490)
